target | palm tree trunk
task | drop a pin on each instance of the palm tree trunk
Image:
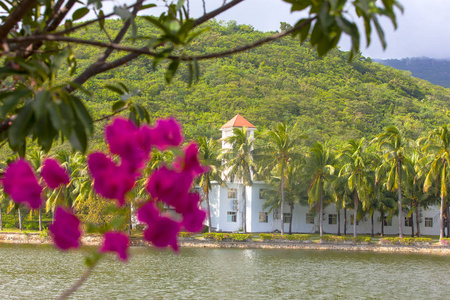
(320, 209)
(412, 225)
(441, 215)
(282, 199)
(382, 223)
(244, 212)
(355, 212)
(339, 222)
(40, 219)
(400, 227)
(290, 221)
(208, 207)
(20, 219)
(345, 221)
(372, 225)
(418, 220)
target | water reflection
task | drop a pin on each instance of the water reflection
(41, 272)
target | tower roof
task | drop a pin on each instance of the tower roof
(238, 121)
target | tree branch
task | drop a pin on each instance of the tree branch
(215, 12)
(20, 11)
(77, 284)
(146, 51)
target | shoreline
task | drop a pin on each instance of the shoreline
(93, 240)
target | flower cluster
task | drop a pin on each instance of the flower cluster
(114, 177)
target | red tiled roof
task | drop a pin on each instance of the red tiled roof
(238, 121)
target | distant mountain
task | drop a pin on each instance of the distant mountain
(436, 71)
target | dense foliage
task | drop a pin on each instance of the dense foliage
(330, 98)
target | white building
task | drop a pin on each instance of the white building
(226, 208)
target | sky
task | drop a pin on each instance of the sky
(423, 28)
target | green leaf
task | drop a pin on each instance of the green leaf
(40, 101)
(12, 99)
(101, 21)
(171, 70)
(122, 12)
(118, 105)
(79, 13)
(124, 87)
(78, 138)
(148, 6)
(21, 127)
(83, 114)
(114, 89)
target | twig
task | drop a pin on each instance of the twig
(17, 14)
(212, 14)
(107, 117)
(77, 284)
(145, 51)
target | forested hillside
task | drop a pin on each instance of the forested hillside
(436, 71)
(330, 98)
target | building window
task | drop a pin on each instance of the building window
(408, 222)
(428, 222)
(387, 222)
(231, 216)
(276, 214)
(287, 217)
(332, 219)
(263, 217)
(310, 218)
(351, 220)
(232, 194)
(261, 193)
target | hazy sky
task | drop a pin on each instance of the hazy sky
(423, 29)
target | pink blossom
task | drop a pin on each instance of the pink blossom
(170, 187)
(20, 182)
(163, 232)
(54, 175)
(166, 133)
(129, 142)
(193, 216)
(190, 163)
(65, 230)
(116, 242)
(147, 213)
(110, 181)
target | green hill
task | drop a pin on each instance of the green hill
(330, 98)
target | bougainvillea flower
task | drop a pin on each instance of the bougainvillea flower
(54, 175)
(193, 216)
(110, 181)
(190, 163)
(147, 213)
(170, 187)
(166, 133)
(163, 232)
(20, 182)
(65, 230)
(127, 141)
(116, 242)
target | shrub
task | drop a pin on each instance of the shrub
(343, 239)
(266, 236)
(185, 234)
(445, 242)
(217, 236)
(403, 241)
(241, 237)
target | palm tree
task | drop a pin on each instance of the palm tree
(438, 148)
(356, 169)
(390, 143)
(36, 157)
(340, 194)
(319, 169)
(240, 164)
(209, 155)
(276, 155)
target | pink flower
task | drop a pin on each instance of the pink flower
(65, 230)
(170, 187)
(110, 181)
(166, 133)
(193, 216)
(129, 142)
(163, 232)
(116, 242)
(54, 175)
(190, 163)
(20, 182)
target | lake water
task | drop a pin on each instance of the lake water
(41, 272)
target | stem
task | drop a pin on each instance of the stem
(77, 284)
